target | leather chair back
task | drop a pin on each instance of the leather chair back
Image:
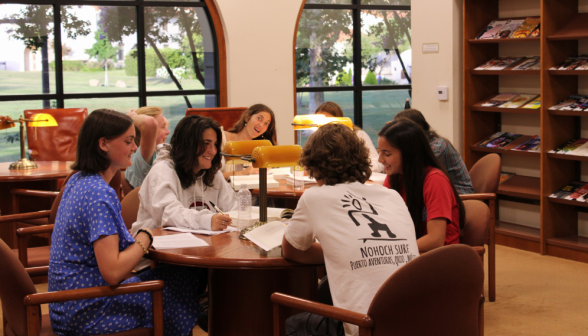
(15, 284)
(130, 207)
(437, 293)
(57, 143)
(226, 116)
(475, 229)
(485, 174)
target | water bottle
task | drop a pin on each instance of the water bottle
(244, 201)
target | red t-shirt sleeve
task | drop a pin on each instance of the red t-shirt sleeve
(387, 181)
(438, 196)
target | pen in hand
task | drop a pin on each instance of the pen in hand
(220, 212)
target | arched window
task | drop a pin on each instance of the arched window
(109, 54)
(356, 53)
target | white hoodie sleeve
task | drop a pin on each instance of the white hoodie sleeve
(376, 166)
(161, 203)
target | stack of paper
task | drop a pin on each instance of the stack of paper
(307, 180)
(268, 236)
(252, 181)
(279, 173)
(182, 240)
(200, 231)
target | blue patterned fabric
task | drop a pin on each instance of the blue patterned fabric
(89, 209)
(452, 161)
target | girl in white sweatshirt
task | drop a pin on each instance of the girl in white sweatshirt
(185, 179)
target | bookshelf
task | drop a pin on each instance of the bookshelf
(563, 29)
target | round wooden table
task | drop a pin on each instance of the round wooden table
(242, 276)
(42, 178)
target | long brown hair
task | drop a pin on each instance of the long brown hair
(269, 134)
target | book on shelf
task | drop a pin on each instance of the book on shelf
(569, 146)
(531, 145)
(518, 101)
(579, 194)
(499, 99)
(531, 63)
(571, 100)
(527, 27)
(499, 63)
(509, 28)
(505, 176)
(568, 189)
(536, 32)
(533, 104)
(492, 29)
(503, 140)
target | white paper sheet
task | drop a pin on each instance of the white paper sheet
(182, 240)
(200, 231)
(268, 236)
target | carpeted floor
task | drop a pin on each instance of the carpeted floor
(536, 295)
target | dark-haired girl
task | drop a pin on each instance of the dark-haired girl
(185, 179)
(92, 247)
(413, 170)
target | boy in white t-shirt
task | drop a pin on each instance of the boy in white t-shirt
(365, 231)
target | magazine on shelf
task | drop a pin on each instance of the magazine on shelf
(579, 195)
(509, 28)
(567, 102)
(533, 104)
(582, 67)
(569, 146)
(536, 32)
(528, 63)
(499, 99)
(492, 29)
(505, 176)
(503, 140)
(504, 63)
(531, 145)
(578, 100)
(581, 60)
(557, 149)
(526, 28)
(582, 104)
(519, 101)
(568, 189)
(489, 64)
(490, 138)
(580, 151)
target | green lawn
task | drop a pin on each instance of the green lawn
(378, 106)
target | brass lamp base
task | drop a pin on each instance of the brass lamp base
(23, 164)
(249, 229)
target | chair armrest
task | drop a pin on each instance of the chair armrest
(37, 271)
(93, 292)
(480, 249)
(32, 230)
(34, 193)
(25, 216)
(480, 197)
(340, 314)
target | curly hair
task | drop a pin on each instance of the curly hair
(270, 134)
(187, 146)
(335, 155)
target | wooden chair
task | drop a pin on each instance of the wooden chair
(21, 304)
(44, 220)
(437, 293)
(130, 207)
(485, 175)
(57, 143)
(475, 231)
(226, 116)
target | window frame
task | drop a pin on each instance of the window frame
(59, 96)
(358, 88)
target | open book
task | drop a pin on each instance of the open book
(273, 214)
(268, 236)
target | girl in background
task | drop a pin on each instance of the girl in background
(413, 170)
(444, 151)
(331, 109)
(151, 129)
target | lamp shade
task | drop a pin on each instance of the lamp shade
(308, 121)
(339, 120)
(42, 120)
(241, 148)
(276, 156)
(6, 122)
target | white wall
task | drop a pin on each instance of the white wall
(438, 22)
(259, 36)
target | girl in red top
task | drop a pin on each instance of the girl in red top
(414, 171)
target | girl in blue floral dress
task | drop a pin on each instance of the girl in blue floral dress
(92, 247)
